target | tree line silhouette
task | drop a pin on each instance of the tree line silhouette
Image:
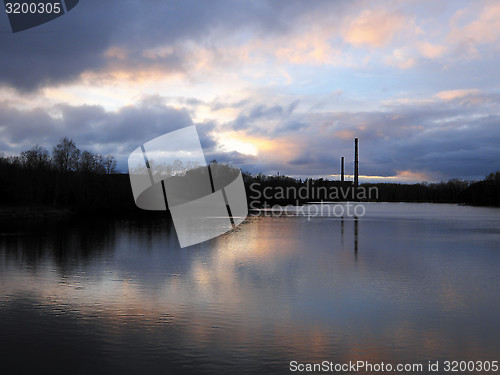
(66, 178)
(66, 157)
(84, 182)
(480, 193)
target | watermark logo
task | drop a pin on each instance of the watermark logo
(333, 198)
(171, 172)
(26, 14)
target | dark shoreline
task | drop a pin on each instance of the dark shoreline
(36, 213)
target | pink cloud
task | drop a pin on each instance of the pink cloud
(373, 28)
(483, 29)
(431, 51)
(456, 94)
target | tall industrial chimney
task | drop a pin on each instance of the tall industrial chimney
(356, 175)
(342, 169)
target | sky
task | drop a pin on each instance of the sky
(272, 86)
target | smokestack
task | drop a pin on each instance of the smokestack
(356, 174)
(342, 169)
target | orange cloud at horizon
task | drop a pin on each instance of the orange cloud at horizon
(405, 175)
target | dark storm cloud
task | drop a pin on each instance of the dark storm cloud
(138, 123)
(15, 124)
(60, 50)
(95, 129)
(303, 159)
(54, 52)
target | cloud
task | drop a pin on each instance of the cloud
(456, 94)
(58, 51)
(93, 128)
(483, 29)
(373, 28)
(346, 134)
(190, 40)
(257, 41)
(130, 38)
(431, 51)
(308, 48)
(411, 175)
(264, 118)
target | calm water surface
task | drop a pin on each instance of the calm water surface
(405, 283)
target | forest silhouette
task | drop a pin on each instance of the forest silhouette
(82, 182)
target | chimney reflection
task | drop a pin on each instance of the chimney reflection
(356, 223)
(356, 230)
(342, 233)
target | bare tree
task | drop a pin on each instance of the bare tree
(86, 162)
(37, 157)
(65, 155)
(109, 164)
(100, 164)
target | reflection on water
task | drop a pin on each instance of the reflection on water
(356, 225)
(406, 282)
